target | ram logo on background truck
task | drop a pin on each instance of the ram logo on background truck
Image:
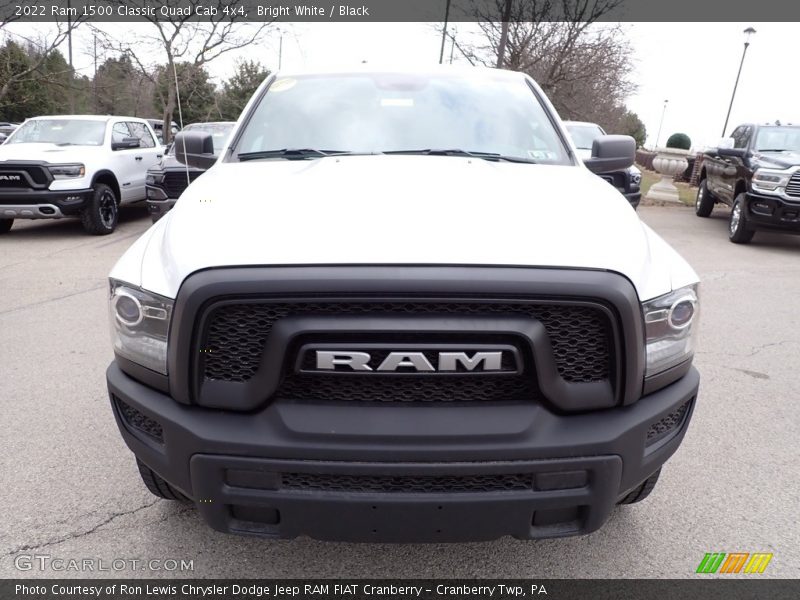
(384, 317)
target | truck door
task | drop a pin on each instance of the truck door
(147, 155)
(124, 165)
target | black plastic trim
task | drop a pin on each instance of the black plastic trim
(150, 378)
(663, 379)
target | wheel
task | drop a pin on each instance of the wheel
(704, 203)
(642, 491)
(100, 215)
(738, 232)
(5, 225)
(157, 486)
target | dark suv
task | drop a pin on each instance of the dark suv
(756, 172)
(167, 180)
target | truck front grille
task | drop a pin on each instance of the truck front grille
(235, 336)
(793, 187)
(24, 176)
(175, 182)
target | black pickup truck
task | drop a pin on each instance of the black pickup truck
(757, 173)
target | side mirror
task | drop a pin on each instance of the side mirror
(126, 144)
(726, 142)
(611, 153)
(195, 148)
(737, 152)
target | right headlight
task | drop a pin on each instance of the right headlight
(670, 327)
(140, 325)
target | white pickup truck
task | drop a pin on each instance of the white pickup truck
(75, 166)
(382, 315)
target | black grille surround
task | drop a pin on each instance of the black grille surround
(236, 334)
(601, 300)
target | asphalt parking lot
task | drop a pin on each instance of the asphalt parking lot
(70, 487)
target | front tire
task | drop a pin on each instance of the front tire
(704, 203)
(5, 225)
(738, 230)
(101, 213)
(157, 485)
(641, 491)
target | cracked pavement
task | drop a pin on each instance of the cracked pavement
(71, 488)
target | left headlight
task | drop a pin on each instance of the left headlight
(770, 180)
(670, 327)
(67, 171)
(140, 325)
(154, 178)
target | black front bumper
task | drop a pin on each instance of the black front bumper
(772, 212)
(402, 473)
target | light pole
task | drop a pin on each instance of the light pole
(747, 33)
(663, 110)
(444, 30)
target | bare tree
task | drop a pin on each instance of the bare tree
(582, 65)
(43, 47)
(181, 38)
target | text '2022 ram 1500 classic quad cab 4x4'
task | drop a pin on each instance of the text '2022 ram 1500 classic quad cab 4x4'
(756, 172)
(383, 316)
(75, 166)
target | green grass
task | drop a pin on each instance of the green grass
(686, 193)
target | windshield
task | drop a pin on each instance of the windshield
(778, 139)
(220, 132)
(584, 135)
(380, 112)
(65, 132)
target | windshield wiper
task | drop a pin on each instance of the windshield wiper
(772, 150)
(290, 153)
(458, 152)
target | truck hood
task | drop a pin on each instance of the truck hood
(50, 153)
(399, 210)
(778, 160)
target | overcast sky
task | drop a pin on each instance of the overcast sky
(693, 65)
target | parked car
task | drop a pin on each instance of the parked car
(756, 171)
(7, 128)
(75, 166)
(385, 317)
(167, 180)
(627, 181)
(158, 127)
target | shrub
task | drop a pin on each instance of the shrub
(679, 140)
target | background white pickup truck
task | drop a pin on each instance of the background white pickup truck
(75, 166)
